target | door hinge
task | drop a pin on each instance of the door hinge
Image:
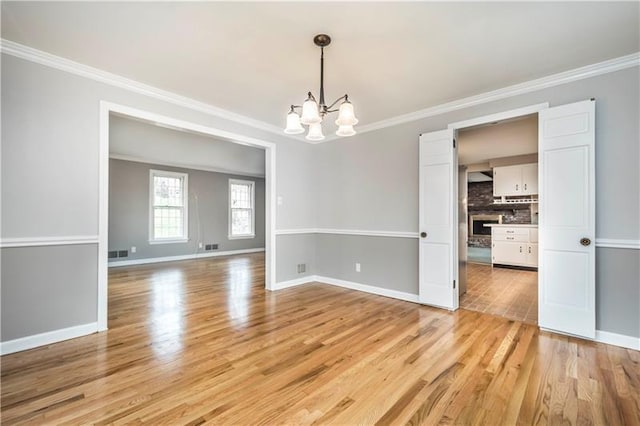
(454, 142)
(454, 283)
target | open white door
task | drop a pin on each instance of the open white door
(567, 219)
(438, 220)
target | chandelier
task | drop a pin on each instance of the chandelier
(313, 112)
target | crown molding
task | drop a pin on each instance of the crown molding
(43, 58)
(34, 55)
(588, 71)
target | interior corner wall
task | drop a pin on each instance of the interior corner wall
(49, 188)
(370, 182)
(208, 212)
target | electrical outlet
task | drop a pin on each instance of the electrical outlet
(357, 267)
(279, 200)
(199, 245)
(302, 267)
(133, 249)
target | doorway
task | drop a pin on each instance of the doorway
(566, 180)
(498, 217)
(108, 110)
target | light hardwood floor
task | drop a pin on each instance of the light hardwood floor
(201, 342)
(507, 292)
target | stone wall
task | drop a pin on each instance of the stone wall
(480, 201)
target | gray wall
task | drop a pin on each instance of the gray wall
(50, 158)
(49, 174)
(378, 258)
(41, 288)
(139, 141)
(293, 250)
(208, 211)
(370, 182)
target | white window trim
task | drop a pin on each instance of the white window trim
(185, 180)
(253, 208)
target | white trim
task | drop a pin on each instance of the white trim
(106, 108)
(361, 232)
(38, 56)
(379, 291)
(408, 297)
(135, 159)
(55, 336)
(600, 242)
(500, 116)
(48, 241)
(184, 177)
(169, 241)
(615, 339)
(28, 53)
(617, 243)
(296, 231)
(252, 185)
(145, 261)
(576, 74)
(294, 282)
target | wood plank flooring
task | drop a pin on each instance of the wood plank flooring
(200, 341)
(506, 292)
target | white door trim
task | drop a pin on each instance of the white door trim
(106, 108)
(499, 116)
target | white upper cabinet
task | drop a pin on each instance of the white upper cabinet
(515, 180)
(530, 179)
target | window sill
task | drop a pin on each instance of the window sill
(241, 237)
(176, 241)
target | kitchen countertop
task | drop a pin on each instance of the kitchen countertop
(511, 225)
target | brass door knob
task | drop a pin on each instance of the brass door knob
(585, 241)
(423, 234)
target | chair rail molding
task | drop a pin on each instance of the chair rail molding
(48, 241)
(618, 243)
(361, 232)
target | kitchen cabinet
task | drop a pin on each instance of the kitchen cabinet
(515, 180)
(514, 245)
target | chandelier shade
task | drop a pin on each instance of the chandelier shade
(315, 132)
(345, 131)
(310, 114)
(293, 124)
(314, 110)
(346, 116)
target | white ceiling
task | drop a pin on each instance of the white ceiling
(141, 141)
(392, 58)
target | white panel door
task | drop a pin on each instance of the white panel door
(438, 220)
(567, 219)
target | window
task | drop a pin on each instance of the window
(168, 202)
(241, 209)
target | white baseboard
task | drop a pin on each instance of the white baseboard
(369, 289)
(350, 285)
(615, 339)
(30, 342)
(294, 282)
(181, 257)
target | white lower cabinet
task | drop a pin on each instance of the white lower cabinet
(514, 246)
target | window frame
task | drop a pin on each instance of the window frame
(185, 207)
(252, 184)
